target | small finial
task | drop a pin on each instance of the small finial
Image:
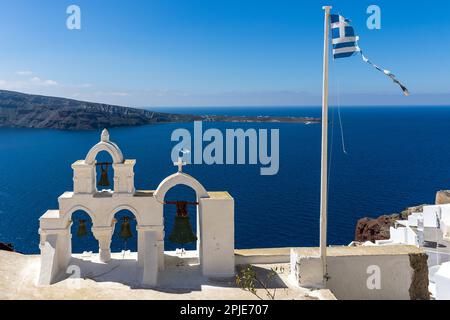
(105, 135)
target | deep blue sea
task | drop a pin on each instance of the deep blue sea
(397, 157)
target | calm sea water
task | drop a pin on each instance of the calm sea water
(397, 157)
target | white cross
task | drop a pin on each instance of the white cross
(342, 24)
(180, 164)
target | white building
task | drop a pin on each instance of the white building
(429, 229)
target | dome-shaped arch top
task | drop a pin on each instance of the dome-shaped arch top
(104, 145)
(126, 208)
(176, 179)
(71, 211)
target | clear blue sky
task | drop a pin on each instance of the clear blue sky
(227, 52)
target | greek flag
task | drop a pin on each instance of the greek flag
(345, 44)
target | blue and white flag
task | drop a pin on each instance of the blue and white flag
(345, 44)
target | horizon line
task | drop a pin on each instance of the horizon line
(346, 105)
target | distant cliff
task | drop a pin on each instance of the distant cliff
(20, 110)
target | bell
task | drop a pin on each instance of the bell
(125, 229)
(82, 230)
(182, 231)
(104, 181)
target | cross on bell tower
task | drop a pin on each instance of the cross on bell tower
(180, 164)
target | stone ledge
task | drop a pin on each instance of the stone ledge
(262, 251)
(340, 251)
(332, 251)
(262, 256)
(219, 195)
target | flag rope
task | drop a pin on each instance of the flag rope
(340, 118)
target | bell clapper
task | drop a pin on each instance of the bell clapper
(180, 251)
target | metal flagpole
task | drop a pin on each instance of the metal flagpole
(324, 168)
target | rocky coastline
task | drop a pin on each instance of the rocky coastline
(20, 110)
(372, 229)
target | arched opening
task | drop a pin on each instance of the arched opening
(180, 193)
(125, 236)
(83, 239)
(181, 187)
(104, 171)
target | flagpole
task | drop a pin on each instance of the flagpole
(324, 165)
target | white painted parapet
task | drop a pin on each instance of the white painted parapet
(306, 269)
(397, 272)
(217, 235)
(50, 268)
(56, 247)
(262, 256)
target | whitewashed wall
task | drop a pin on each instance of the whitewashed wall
(353, 271)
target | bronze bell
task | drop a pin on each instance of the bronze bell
(125, 229)
(104, 181)
(82, 230)
(182, 231)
